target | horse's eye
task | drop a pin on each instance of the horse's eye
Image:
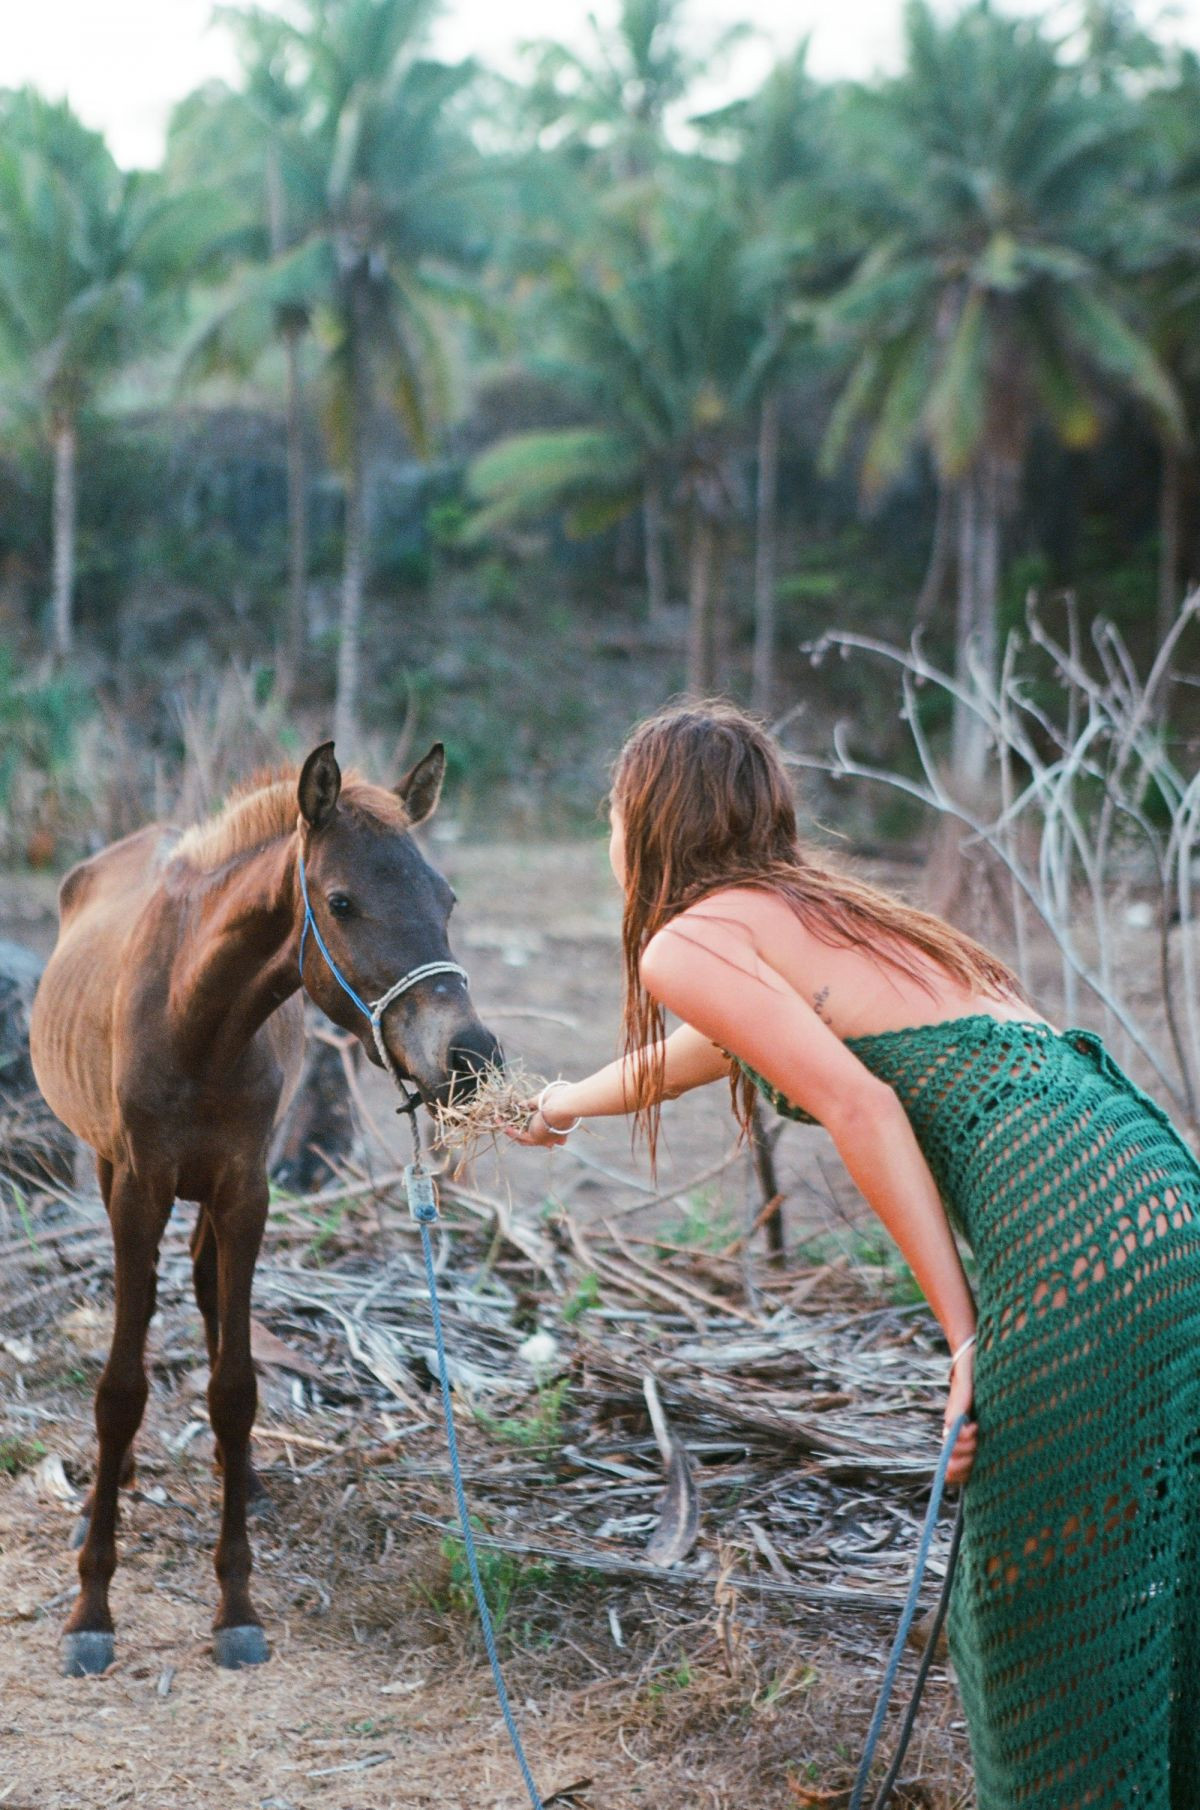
(340, 905)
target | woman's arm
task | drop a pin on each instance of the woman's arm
(689, 1060)
(709, 973)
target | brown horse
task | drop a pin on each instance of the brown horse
(168, 1034)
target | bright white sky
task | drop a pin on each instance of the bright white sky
(124, 63)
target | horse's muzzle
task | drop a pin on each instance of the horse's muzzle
(442, 1059)
(472, 1053)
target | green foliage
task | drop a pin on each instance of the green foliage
(868, 1249)
(18, 1454)
(706, 1224)
(665, 1685)
(361, 187)
(505, 1578)
(990, 253)
(540, 1429)
(586, 1296)
(42, 716)
(91, 258)
(991, 177)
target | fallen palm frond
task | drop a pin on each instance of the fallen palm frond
(694, 1498)
(803, 1432)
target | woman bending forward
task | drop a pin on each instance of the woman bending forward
(1075, 1618)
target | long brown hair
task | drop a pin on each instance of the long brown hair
(706, 803)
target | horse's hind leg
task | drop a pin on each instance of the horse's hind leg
(138, 1214)
(204, 1284)
(237, 1217)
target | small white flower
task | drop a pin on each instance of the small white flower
(539, 1350)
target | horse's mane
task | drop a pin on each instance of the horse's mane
(264, 807)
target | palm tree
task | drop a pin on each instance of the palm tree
(1167, 260)
(663, 348)
(381, 185)
(605, 108)
(91, 259)
(991, 179)
(611, 97)
(786, 191)
(256, 138)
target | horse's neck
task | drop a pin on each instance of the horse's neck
(239, 961)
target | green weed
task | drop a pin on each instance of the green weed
(868, 1249)
(504, 1576)
(540, 1429)
(587, 1294)
(17, 1454)
(679, 1678)
(19, 1200)
(708, 1224)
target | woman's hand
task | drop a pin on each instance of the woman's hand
(549, 1121)
(536, 1130)
(959, 1401)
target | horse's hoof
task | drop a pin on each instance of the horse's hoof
(80, 1532)
(236, 1647)
(88, 1652)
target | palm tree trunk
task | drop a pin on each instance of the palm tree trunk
(700, 604)
(354, 557)
(968, 757)
(763, 672)
(1170, 518)
(297, 485)
(992, 490)
(656, 558)
(981, 498)
(940, 554)
(354, 564)
(65, 448)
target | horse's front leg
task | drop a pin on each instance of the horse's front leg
(104, 1174)
(237, 1214)
(138, 1209)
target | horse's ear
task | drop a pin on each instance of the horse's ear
(320, 783)
(421, 786)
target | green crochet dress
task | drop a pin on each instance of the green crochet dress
(1075, 1617)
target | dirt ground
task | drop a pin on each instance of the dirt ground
(377, 1694)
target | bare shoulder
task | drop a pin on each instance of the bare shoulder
(749, 915)
(748, 926)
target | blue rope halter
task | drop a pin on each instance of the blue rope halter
(374, 1012)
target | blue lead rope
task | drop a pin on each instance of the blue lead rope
(422, 1203)
(906, 1621)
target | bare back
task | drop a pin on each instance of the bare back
(853, 992)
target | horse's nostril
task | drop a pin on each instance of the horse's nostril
(471, 1061)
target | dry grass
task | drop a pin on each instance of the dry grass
(499, 1103)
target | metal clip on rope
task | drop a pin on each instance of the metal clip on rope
(422, 1204)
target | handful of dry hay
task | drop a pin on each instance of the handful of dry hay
(501, 1102)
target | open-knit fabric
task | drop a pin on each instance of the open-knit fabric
(1075, 1615)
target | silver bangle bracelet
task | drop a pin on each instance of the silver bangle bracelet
(962, 1350)
(560, 1131)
